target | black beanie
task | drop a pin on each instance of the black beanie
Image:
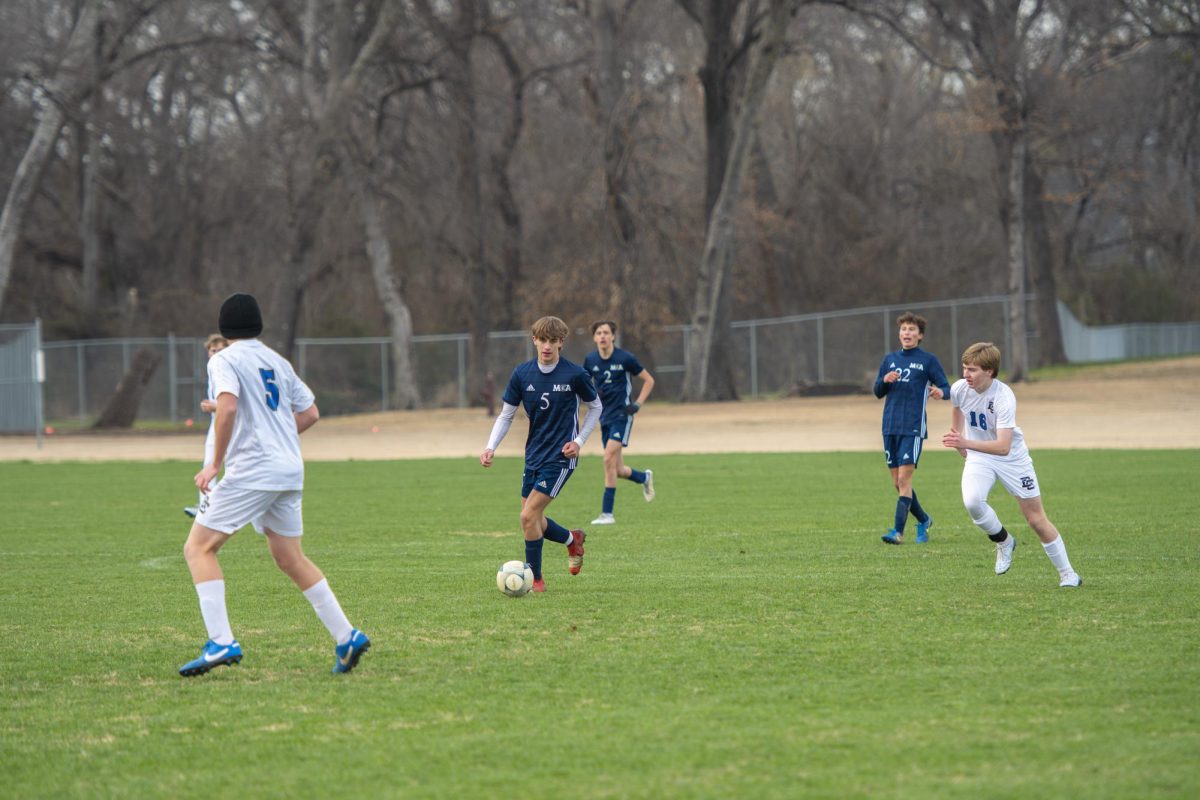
(240, 317)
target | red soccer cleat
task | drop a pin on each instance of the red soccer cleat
(539, 585)
(575, 552)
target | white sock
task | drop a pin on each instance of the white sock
(212, 608)
(330, 612)
(1056, 551)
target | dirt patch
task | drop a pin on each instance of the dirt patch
(1144, 405)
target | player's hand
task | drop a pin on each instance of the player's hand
(953, 439)
(935, 392)
(208, 406)
(571, 449)
(632, 408)
(892, 376)
(485, 457)
(205, 476)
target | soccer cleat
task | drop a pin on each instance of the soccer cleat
(648, 486)
(1004, 554)
(893, 537)
(1071, 579)
(605, 519)
(212, 655)
(346, 655)
(923, 530)
(192, 511)
(539, 585)
(575, 552)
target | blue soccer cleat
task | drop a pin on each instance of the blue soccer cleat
(893, 537)
(348, 654)
(923, 530)
(213, 655)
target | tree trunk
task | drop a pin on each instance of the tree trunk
(71, 82)
(404, 390)
(719, 240)
(122, 408)
(1041, 263)
(1018, 359)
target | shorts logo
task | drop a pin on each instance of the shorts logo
(616, 436)
(542, 484)
(1026, 482)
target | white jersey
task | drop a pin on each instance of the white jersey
(985, 414)
(264, 450)
(210, 438)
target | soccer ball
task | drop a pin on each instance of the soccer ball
(514, 578)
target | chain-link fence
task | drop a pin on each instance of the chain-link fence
(773, 357)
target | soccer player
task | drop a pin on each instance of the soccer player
(213, 345)
(908, 377)
(262, 408)
(612, 369)
(550, 388)
(984, 431)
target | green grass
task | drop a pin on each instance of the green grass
(746, 635)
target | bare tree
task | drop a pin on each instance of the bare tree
(730, 138)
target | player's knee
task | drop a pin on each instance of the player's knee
(977, 508)
(529, 517)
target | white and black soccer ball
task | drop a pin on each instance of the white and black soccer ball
(514, 578)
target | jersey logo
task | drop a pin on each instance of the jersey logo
(562, 387)
(595, 369)
(992, 406)
(530, 388)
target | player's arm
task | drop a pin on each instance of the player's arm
(227, 405)
(594, 407)
(939, 386)
(996, 447)
(885, 379)
(503, 422)
(307, 418)
(953, 438)
(644, 394)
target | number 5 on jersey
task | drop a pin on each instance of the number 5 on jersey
(268, 379)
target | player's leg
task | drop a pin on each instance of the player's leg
(1052, 543)
(533, 526)
(200, 552)
(283, 526)
(977, 482)
(537, 526)
(891, 455)
(612, 466)
(645, 478)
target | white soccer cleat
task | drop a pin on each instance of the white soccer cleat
(1004, 554)
(605, 519)
(648, 486)
(1071, 579)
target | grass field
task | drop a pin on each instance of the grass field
(746, 635)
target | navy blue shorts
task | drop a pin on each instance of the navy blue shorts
(901, 450)
(547, 480)
(620, 430)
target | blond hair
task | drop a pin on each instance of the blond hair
(984, 355)
(550, 328)
(215, 338)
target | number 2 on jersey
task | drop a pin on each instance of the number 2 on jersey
(268, 379)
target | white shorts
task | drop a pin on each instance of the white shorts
(1017, 477)
(227, 508)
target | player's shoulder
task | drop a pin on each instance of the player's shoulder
(591, 360)
(958, 389)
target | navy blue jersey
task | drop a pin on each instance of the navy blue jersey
(613, 381)
(551, 401)
(904, 411)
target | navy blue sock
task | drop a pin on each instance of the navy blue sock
(902, 504)
(610, 497)
(556, 532)
(533, 556)
(916, 510)
(636, 476)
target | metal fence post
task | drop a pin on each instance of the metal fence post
(172, 367)
(820, 349)
(462, 373)
(80, 376)
(754, 361)
(383, 371)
